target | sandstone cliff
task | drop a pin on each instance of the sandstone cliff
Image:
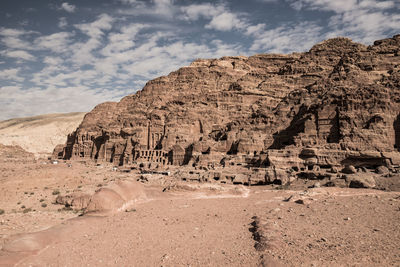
(270, 117)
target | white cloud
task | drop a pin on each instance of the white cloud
(373, 4)
(364, 26)
(16, 43)
(12, 38)
(11, 74)
(225, 22)
(340, 6)
(95, 29)
(123, 40)
(19, 102)
(255, 29)
(326, 5)
(288, 38)
(62, 22)
(68, 7)
(221, 18)
(56, 42)
(106, 66)
(164, 7)
(18, 54)
(362, 20)
(130, 2)
(153, 59)
(195, 12)
(161, 9)
(52, 60)
(12, 32)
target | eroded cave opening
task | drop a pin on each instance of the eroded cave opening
(396, 128)
(334, 133)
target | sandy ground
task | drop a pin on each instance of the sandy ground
(179, 227)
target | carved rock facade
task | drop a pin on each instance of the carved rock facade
(273, 116)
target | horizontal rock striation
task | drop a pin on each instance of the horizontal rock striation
(271, 117)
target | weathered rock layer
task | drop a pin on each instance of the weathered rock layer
(268, 117)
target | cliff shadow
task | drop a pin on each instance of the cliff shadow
(286, 136)
(396, 128)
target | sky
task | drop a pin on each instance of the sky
(58, 56)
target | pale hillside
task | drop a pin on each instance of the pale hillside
(39, 134)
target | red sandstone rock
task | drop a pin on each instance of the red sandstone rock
(269, 117)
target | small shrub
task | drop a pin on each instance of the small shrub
(99, 185)
(44, 205)
(1, 211)
(32, 193)
(19, 202)
(41, 200)
(56, 192)
(79, 186)
(23, 207)
(65, 209)
(25, 193)
(27, 210)
(130, 210)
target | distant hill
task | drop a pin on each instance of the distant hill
(39, 134)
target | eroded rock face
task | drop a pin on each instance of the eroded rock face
(15, 154)
(270, 117)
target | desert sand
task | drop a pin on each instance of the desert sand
(191, 224)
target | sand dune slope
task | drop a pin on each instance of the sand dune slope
(39, 134)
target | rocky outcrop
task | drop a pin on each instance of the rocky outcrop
(116, 197)
(270, 117)
(15, 154)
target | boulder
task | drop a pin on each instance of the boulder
(361, 181)
(382, 170)
(76, 201)
(349, 169)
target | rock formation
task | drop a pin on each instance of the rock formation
(260, 119)
(15, 154)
